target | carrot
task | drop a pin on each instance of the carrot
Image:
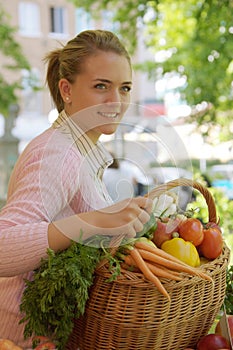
(175, 273)
(153, 250)
(160, 272)
(129, 260)
(125, 266)
(173, 265)
(131, 268)
(147, 272)
(126, 258)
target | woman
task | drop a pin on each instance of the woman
(56, 190)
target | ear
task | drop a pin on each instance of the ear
(65, 89)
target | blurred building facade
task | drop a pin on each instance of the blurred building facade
(44, 25)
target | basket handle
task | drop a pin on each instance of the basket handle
(157, 191)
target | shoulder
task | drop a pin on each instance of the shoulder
(50, 144)
(48, 154)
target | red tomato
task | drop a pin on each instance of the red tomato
(161, 234)
(38, 339)
(212, 244)
(46, 346)
(213, 224)
(165, 229)
(43, 343)
(191, 230)
(213, 342)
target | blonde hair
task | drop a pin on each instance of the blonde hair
(67, 62)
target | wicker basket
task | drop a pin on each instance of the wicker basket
(130, 314)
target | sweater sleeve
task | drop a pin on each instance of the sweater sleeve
(38, 191)
(22, 247)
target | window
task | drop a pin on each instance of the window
(29, 18)
(58, 20)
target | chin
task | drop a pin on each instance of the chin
(109, 129)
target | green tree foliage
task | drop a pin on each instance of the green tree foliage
(127, 15)
(198, 35)
(196, 38)
(11, 50)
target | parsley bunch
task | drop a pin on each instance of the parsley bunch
(59, 291)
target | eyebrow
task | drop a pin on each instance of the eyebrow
(109, 81)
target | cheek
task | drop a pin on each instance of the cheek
(125, 105)
(84, 99)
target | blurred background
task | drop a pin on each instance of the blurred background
(180, 121)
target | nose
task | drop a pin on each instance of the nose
(113, 96)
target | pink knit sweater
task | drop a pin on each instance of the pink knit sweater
(51, 180)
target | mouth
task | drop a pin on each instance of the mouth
(110, 115)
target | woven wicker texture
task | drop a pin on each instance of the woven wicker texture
(130, 314)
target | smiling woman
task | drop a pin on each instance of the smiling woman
(98, 85)
(56, 193)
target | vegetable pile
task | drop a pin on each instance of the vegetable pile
(171, 245)
(154, 263)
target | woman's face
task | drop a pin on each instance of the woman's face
(101, 92)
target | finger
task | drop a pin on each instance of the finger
(145, 203)
(143, 216)
(138, 225)
(131, 233)
(149, 205)
(123, 229)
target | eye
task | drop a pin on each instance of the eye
(126, 88)
(101, 86)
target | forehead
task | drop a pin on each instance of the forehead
(107, 64)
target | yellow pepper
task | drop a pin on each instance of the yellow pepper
(182, 250)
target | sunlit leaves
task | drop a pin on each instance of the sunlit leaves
(193, 35)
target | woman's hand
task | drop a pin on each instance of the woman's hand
(125, 217)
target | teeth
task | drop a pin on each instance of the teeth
(108, 115)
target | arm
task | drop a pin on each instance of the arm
(35, 197)
(38, 214)
(24, 244)
(126, 217)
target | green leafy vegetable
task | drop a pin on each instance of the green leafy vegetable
(59, 291)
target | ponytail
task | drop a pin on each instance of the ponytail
(53, 77)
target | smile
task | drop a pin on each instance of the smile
(109, 115)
